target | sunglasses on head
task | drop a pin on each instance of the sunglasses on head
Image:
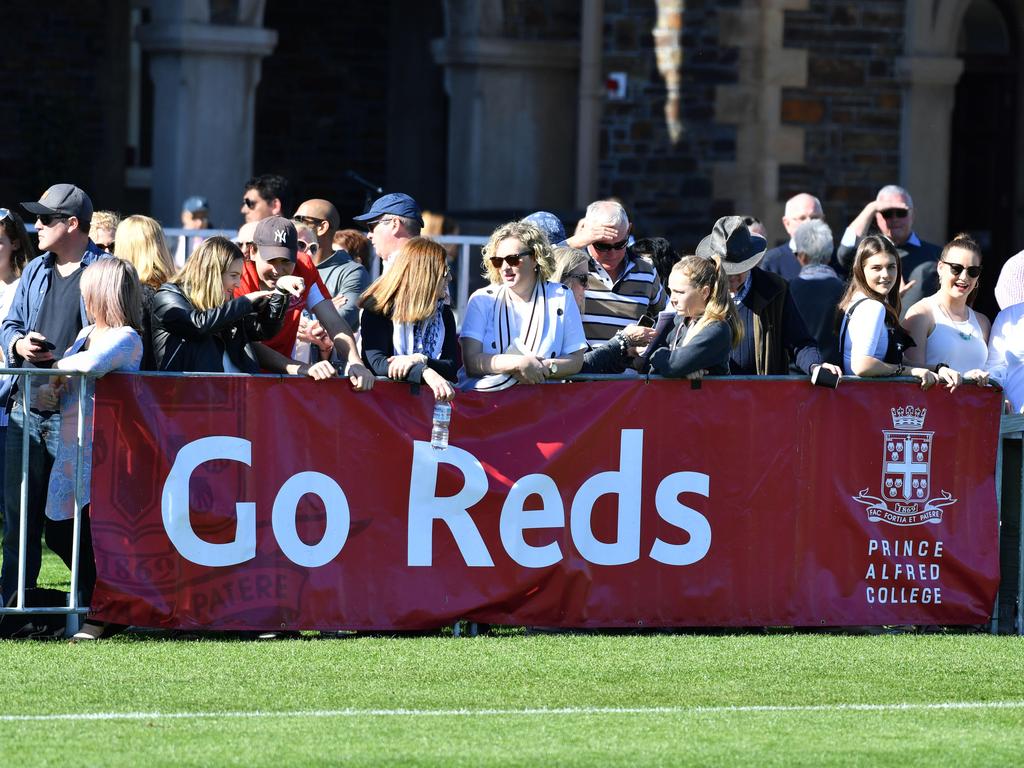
(249, 202)
(895, 213)
(957, 269)
(5, 213)
(46, 219)
(513, 259)
(611, 246)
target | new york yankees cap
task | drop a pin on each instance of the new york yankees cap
(276, 238)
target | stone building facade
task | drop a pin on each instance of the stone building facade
(492, 108)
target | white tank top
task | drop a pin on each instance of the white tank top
(959, 344)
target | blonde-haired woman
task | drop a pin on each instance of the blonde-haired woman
(706, 328)
(110, 291)
(141, 241)
(408, 331)
(521, 328)
(198, 326)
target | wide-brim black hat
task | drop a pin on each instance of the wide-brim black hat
(739, 249)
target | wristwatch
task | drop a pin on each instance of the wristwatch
(552, 369)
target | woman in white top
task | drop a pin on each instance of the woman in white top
(521, 328)
(945, 329)
(871, 336)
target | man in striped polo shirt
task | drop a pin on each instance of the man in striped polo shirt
(621, 287)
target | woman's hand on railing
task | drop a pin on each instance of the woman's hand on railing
(320, 371)
(529, 369)
(400, 365)
(949, 377)
(927, 377)
(443, 390)
(977, 376)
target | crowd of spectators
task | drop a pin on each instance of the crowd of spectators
(291, 294)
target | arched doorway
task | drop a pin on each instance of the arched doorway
(983, 156)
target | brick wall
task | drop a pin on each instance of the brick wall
(850, 109)
(666, 186)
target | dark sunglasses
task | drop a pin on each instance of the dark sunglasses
(612, 246)
(895, 213)
(957, 269)
(512, 259)
(109, 247)
(309, 221)
(581, 279)
(46, 219)
(248, 203)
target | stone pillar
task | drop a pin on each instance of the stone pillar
(925, 136)
(511, 122)
(204, 77)
(754, 105)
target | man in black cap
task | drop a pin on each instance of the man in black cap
(44, 320)
(773, 331)
(391, 220)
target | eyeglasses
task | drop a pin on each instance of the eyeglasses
(310, 248)
(580, 278)
(611, 246)
(512, 259)
(895, 213)
(249, 203)
(957, 269)
(309, 221)
(48, 219)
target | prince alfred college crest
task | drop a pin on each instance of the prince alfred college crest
(906, 474)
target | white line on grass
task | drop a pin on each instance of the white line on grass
(535, 711)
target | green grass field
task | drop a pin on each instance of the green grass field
(515, 699)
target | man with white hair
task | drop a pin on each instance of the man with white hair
(892, 214)
(817, 289)
(621, 287)
(782, 259)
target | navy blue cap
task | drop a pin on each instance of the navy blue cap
(549, 224)
(195, 203)
(395, 203)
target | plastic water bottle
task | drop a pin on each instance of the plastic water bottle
(439, 429)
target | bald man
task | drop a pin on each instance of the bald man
(344, 277)
(782, 260)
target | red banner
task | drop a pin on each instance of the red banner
(265, 503)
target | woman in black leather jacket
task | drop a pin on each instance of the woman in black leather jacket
(197, 326)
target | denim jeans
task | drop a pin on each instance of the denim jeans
(43, 441)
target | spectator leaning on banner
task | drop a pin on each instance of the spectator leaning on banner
(198, 326)
(391, 220)
(623, 287)
(521, 329)
(45, 317)
(773, 331)
(278, 262)
(344, 277)
(408, 328)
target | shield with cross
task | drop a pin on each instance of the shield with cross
(906, 466)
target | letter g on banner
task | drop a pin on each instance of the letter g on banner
(174, 504)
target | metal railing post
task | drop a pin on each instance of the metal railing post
(26, 386)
